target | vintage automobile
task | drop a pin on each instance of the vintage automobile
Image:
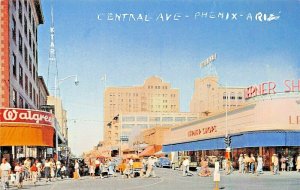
(163, 162)
(136, 168)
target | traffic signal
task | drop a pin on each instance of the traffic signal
(227, 141)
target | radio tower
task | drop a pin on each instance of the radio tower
(52, 67)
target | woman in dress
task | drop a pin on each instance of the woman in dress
(283, 163)
(92, 169)
(290, 163)
(259, 165)
(204, 172)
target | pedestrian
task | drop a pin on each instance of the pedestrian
(241, 164)
(204, 172)
(131, 163)
(76, 167)
(63, 171)
(58, 169)
(5, 170)
(290, 163)
(228, 166)
(185, 166)
(97, 167)
(39, 167)
(47, 170)
(272, 162)
(298, 163)
(111, 167)
(246, 163)
(252, 163)
(283, 163)
(34, 172)
(52, 168)
(259, 169)
(150, 168)
(276, 164)
(27, 165)
(19, 175)
(127, 170)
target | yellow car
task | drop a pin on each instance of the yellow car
(136, 168)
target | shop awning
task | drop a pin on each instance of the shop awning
(20, 135)
(151, 150)
(250, 139)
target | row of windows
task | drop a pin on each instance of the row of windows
(157, 87)
(31, 68)
(155, 119)
(233, 96)
(19, 102)
(27, 33)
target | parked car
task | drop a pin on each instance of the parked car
(163, 162)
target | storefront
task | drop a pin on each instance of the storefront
(25, 132)
(268, 125)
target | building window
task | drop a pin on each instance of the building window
(20, 12)
(180, 119)
(30, 40)
(26, 84)
(20, 75)
(34, 98)
(224, 96)
(29, 14)
(14, 67)
(33, 73)
(240, 97)
(26, 105)
(14, 98)
(127, 126)
(25, 4)
(30, 90)
(21, 102)
(191, 118)
(30, 65)
(20, 43)
(14, 2)
(142, 118)
(14, 29)
(26, 55)
(25, 26)
(167, 119)
(33, 27)
(232, 96)
(142, 126)
(128, 118)
(155, 119)
(33, 48)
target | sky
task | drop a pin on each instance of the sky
(255, 41)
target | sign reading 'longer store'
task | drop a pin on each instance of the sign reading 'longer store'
(13, 115)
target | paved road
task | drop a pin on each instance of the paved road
(171, 180)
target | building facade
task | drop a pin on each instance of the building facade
(210, 96)
(19, 83)
(19, 59)
(264, 126)
(126, 128)
(154, 96)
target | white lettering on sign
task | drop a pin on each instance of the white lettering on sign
(26, 116)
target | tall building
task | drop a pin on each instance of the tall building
(210, 96)
(154, 96)
(128, 126)
(18, 56)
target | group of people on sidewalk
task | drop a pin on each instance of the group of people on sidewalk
(252, 164)
(30, 170)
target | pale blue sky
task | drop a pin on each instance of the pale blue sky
(249, 52)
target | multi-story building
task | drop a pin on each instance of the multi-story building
(19, 57)
(60, 114)
(19, 83)
(154, 96)
(43, 92)
(210, 97)
(126, 127)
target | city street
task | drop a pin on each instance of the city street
(170, 179)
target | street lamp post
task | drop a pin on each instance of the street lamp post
(56, 88)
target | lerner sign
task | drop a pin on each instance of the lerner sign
(270, 88)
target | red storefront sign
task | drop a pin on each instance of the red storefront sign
(27, 127)
(13, 115)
